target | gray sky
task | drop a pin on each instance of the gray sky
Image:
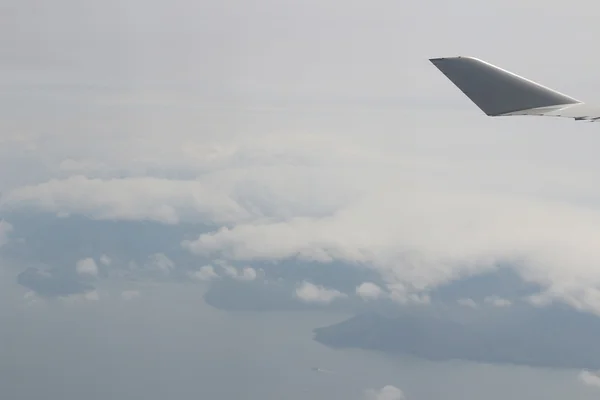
(233, 140)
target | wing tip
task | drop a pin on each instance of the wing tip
(495, 90)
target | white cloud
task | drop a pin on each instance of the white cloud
(404, 294)
(130, 294)
(497, 301)
(105, 260)
(369, 291)
(29, 294)
(386, 393)
(245, 274)
(432, 237)
(144, 198)
(32, 298)
(467, 303)
(248, 274)
(311, 293)
(160, 262)
(206, 273)
(87, 266)
(230, 271)
(590, 378)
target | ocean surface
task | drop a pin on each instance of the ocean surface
(148, 348)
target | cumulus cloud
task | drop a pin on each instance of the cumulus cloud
(105, 260)
(405, 294)
(248, 274)
(87, 266)
(590, 378)
(388, 392)
(245, 274)
(311, 293)
(206, 273)
(369, 291)
(160, 262)
(155, 267)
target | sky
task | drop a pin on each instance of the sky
(284, 157)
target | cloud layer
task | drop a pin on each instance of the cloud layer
(418, 233)
(419, 239)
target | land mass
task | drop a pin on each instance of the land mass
(538, 337)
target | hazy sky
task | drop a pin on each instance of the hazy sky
(146, 145)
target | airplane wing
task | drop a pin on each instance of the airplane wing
(498, 92)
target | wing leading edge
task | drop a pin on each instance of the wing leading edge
(498, 92)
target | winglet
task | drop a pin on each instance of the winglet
(497, 91)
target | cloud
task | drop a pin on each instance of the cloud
(369, 291)
(144, 198)
(248, 274)
(404, 294)
(160, 262)
(416, 236)
(590, 378)
(311, 293)
(92, 295)
(206, 273)
(350, 202)
(467, 303)
(87, 266)
(245, 274)
(433, 237)
(105, 260)
(497, 301)
(386, 393)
